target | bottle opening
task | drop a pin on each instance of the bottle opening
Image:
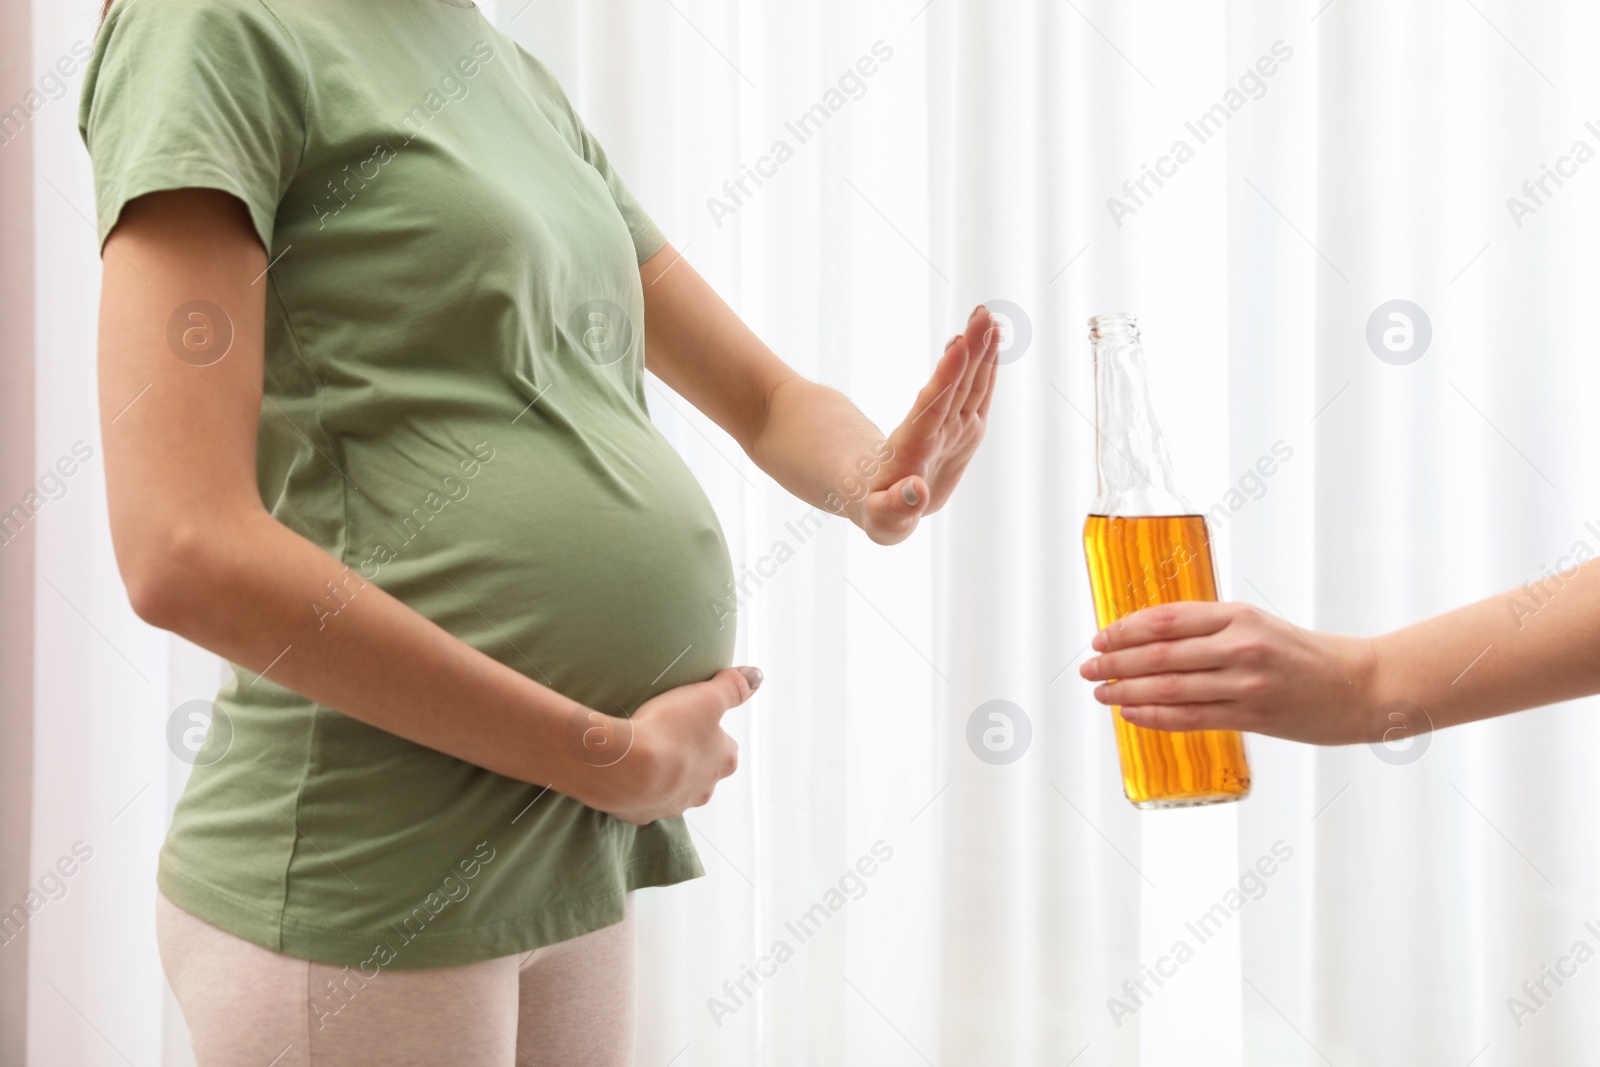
(1114, 325)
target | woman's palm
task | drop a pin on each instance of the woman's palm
(929, 450)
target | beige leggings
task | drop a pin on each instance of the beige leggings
(568, 1004)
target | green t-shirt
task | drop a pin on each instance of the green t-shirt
(454, 407)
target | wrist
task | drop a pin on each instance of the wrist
(854, 510)
(1363, 666)
(856, 479)
(604, 759)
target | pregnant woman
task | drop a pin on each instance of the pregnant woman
(375, 317)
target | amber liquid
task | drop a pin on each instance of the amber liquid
(1136, 563)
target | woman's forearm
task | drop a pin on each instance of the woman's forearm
(819, 446)
(811, 439)
(253, 591)
(1524, 648)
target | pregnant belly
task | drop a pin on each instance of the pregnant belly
(593, 563)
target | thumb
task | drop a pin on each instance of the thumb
(735, 685)
(893, 512)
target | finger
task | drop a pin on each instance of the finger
(977, 398)
(1177, 687)
(993, 334)
(892, 513)
(899, 505)
(990, 388)
(909, 495)
(983, 382)
(1164, 622)
(732, 686)
(1189, 654)
(932, 406)
(975, 338)
(1184, 718)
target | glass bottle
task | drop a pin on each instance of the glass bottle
(1146, 545)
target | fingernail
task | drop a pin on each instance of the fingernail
(1099, 642)
(1131, 716)
(952, 340)
(1101, 693)
(1090, 670)
(974, 312)
(909, 495)
(752, 675)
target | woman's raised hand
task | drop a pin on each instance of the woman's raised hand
(928, 452)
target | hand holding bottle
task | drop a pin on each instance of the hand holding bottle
(1202, 666)
(1230, 666)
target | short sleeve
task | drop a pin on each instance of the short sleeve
(193, 94)
(647, 236)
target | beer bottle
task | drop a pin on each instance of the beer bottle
(1146, 545)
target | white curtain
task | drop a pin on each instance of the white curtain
(1011, 909)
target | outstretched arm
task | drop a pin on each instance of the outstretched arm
(1196, 666)
(811, 439)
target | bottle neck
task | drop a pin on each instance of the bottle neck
(1135, 466)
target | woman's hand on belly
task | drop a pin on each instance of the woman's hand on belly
(670, 755)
